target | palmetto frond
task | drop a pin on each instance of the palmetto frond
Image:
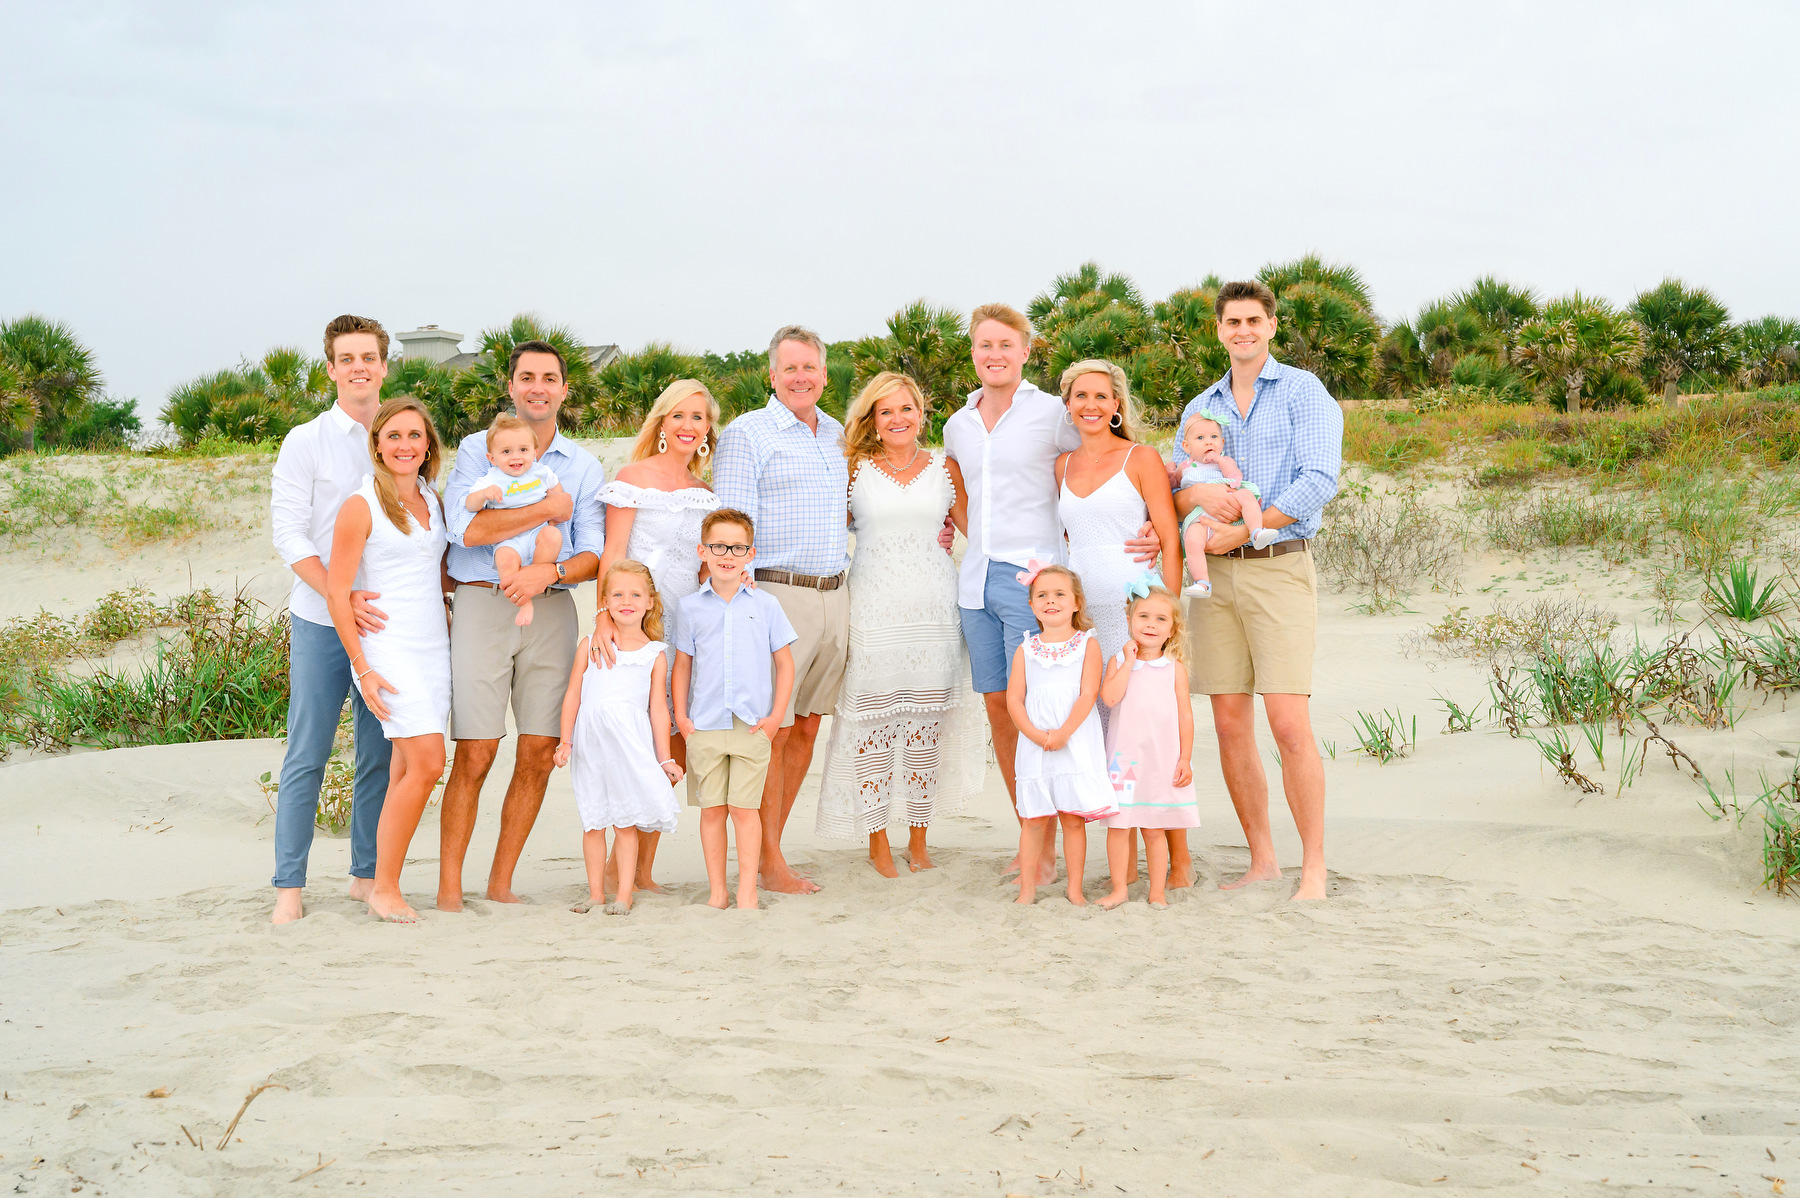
(628, 386)
(1327, 331)
(1577, 339)
(1344, 279)
(1766, 351)
(1686, 330)
(54, 369)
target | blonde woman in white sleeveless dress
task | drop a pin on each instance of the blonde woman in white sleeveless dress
(654, 506)
(908, 738)
(390, 539)
(1107, 487)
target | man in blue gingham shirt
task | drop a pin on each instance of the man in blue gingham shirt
(783, 466)
(1254, 634)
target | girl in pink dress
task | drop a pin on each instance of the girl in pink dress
(1148, 743)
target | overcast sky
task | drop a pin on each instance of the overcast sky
(189, 184)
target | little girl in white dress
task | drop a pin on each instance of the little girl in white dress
(615, 727)
(1060, 767)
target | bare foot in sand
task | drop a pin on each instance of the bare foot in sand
(652, 886)
(1159, 905)
(1312, 886)
(391, 908)
(1027, 895)
(1182, 878)
(449, 902)
(786, 881)
(918, 857)
(586, 905)
(1256, 873)
(1076, 898)
(1118, 898)
(502, 894)
(718, 901)
(287, 905)
(361, 889)
(623, 908)
(881, 856)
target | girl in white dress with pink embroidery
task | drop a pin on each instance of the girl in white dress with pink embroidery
(1060, 768)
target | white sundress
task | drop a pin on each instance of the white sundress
(1073, 779)
(908, 737)
(413, 651)
(618, 779)
(1098, 525)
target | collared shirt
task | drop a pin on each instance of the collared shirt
(1010, 475)
(792, 482)
(578, 472)
(731, 642)
(1291, 445)
(321, 464)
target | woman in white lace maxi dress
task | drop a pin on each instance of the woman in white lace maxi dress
(654, 506)
(1109, 486)
(908, 738)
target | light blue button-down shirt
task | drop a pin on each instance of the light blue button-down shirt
(577, 470)
(792, 482)
(1291, 445)
(731, 643)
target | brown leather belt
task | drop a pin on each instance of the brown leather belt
(1275, 550)
(494, 586)
(811, 581)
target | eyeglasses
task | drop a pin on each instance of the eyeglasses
(720, 550)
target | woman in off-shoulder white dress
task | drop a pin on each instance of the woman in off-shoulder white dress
(654, 506)
(908, 736)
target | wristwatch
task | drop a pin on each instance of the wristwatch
(562, 575)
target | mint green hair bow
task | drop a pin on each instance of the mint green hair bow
(1141, 586)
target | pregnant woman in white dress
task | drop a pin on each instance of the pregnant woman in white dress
(1109, 486)
(654, 506)
(390, 539)
(908, 736)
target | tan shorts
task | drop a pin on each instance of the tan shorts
(821, 621)
(727, 767)
(1255, 635)
(493, 660)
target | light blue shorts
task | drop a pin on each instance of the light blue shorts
(995, 630)
(525, 544)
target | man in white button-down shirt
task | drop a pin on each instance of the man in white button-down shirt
(1006, 440)
(321, 464)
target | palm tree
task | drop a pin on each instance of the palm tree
(55, 374)
(434, 385)
(625, 390)
(1501, 308)
(927, 344)
(1191, 327)
(252, 401)
(1686, 331)
(1767, 351)
(481, 389)
(1575, 342)
(15, 405)
(1325, 330)
(1344, 279)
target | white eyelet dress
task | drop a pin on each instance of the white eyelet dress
(618, 780)
(908, 736)
(413, 652)
(1072, 780)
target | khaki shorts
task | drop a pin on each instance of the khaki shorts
(727, 767)
(821, 621)
(493, 660)
(1255, 635)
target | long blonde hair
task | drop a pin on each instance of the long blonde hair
(862, 440)
(386, 489)
(674, 393)
(1128, 420)
(653, 618)
(1081, 621)
(1176, 645)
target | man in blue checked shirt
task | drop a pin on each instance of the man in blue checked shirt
(783, 466)
(494, 662)
(1255, 635)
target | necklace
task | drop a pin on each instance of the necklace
(893, 469)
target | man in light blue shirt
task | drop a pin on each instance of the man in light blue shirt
(783, 466)
(495, 662)
(1255, 635)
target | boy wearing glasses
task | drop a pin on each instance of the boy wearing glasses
(733, 672)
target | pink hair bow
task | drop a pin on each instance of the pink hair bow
(1029, 574)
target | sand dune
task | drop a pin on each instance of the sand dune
(1508, 990)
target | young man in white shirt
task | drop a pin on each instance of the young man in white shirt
(321, 464)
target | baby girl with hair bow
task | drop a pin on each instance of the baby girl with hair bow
(1204, 441)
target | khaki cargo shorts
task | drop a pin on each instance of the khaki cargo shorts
(494, 662)
(728, 767)
(1256, 634)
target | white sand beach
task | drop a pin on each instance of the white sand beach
(1509, 989)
